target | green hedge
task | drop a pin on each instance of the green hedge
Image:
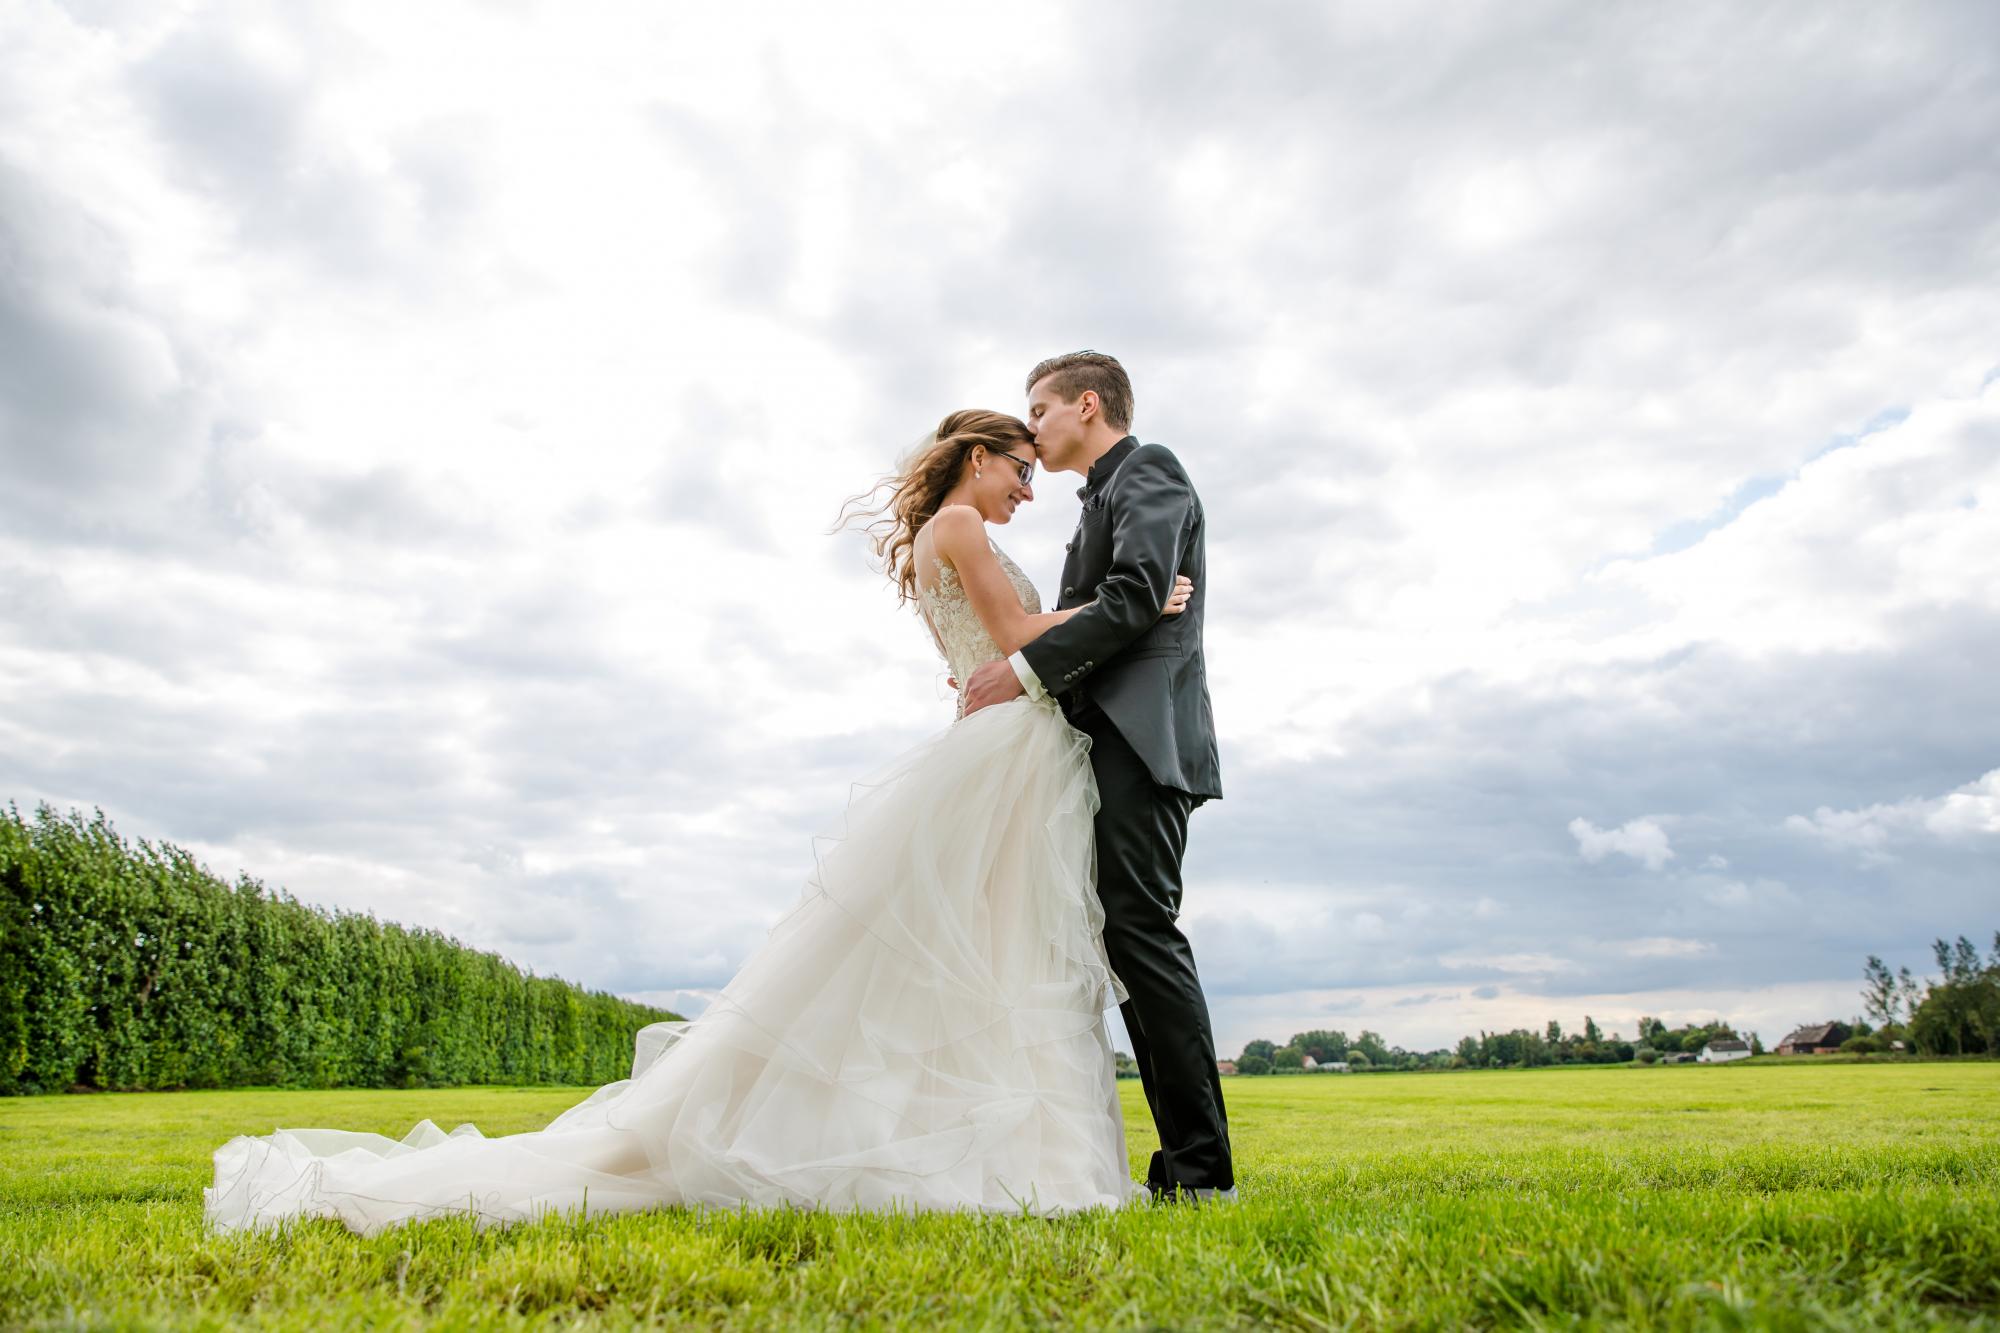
(135, 968)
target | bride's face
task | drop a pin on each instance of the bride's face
(1003, 481)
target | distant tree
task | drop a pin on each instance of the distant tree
(1253, 1064)
(1288, 1057)
(1862, 1044)
(1960, 1012)
(1323, 1046)
(1964, 958)
(1881, 993)
(1372, 1046)
(1756, 1044)
(1528, 1048)
(1259, 1047)
(1912, 993)
(1646, 1055)
(1937, 1027)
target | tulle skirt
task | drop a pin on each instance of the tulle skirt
(923, 1030)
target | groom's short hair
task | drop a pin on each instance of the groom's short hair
(1075, 372)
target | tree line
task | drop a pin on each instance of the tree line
(1956, 1014)
(132, 967)
(1517, 1049)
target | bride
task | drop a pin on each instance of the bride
(922, 1030)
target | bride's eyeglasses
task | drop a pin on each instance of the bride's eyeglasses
(1026, 467)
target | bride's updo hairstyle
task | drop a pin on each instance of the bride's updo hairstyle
(919, 483)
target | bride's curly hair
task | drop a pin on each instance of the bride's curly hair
(919, 483)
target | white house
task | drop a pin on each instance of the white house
(1724, 1049)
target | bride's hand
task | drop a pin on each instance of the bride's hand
(1177, 600)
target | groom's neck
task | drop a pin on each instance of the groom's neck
(1100, 443)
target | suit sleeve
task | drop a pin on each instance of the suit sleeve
(1149, 509)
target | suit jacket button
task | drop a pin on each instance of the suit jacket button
(1069, 546)
(1069, 591)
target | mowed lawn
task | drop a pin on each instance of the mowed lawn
(1764, 1196)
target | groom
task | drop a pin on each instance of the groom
(1134, 682)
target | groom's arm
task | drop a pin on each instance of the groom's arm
(1149, 522)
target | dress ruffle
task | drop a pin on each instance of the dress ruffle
(923, 1030)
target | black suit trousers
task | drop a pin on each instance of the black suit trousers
(1141, 836)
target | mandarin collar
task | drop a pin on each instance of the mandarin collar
(1100, 471)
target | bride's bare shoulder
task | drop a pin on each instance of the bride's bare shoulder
(944, 537)
(956, 528)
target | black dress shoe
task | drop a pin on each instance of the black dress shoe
(1190, 1194)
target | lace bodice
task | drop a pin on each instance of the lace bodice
(960, 633)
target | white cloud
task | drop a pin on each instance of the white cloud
(1665, 946)
(1527, 964)
(1754, 904)
(1641, 839)
(1903, 520)
(1971, 811)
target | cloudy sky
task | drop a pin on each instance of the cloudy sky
(420, 430)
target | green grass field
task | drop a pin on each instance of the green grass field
(1863, 1195)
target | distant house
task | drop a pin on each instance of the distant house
(1310, 1064)
(1815, 1039)
(1334, 1067)
(1724, 1049)
(1225, 1066)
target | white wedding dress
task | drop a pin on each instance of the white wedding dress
(923, 1030)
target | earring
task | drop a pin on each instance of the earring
(977, 473)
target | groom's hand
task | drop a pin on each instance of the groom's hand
(993, 683)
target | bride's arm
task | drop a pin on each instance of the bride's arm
(959, 535)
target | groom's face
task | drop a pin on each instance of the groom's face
(1058, 426)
